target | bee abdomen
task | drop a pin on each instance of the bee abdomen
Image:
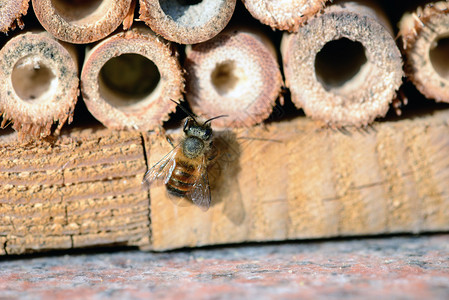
(175, 192)
(182, 175)
(181, 182)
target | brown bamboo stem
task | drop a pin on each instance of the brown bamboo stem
(284, 15)
(237, 74)
(128, 80)
(187, 22)
(81, 21)
(343, 68)
(11, 12)
(38, 83)
(425, 43)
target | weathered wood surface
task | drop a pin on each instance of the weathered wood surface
(316, 183)
(85, 188)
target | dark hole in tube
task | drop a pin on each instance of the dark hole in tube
(439, 56)
(339, 61)
(129, 78)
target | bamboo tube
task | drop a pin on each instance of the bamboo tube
(286, 14)
(11, 12)
(38, 83)
(81, 21)
(237, 74)
(187, 21)
(425, 42)
(343, 68)
(128, 80)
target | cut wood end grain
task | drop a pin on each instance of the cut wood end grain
(81, 21)
(425, 43)
(344, 67)
(284, 15)
(82, 190)
(11, 12)
(128, 80)
(40, 86)
(236, 74)
(187, 22)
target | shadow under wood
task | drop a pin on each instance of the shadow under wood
(223, 173)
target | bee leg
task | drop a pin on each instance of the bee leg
(213, 153)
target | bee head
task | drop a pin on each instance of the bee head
(201, 131)
(193, 128)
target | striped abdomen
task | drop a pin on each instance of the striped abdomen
(183, 177)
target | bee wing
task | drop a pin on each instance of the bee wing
(162, 169)
(200, 194)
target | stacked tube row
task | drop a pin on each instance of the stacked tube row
(131, 72)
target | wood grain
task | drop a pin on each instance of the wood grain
(318, 183)
(83, 190)
(305, 182)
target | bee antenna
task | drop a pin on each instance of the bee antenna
(222, 116)
(185, 110)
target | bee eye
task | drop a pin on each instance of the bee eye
(186, 125)
(207, 133)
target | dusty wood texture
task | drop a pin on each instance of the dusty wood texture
(425, 42)
(81, 21)
(11, 12)
(345, 84)
(187, 22)
(284, 15)
(128, 80)
(38, 83)
(315, 183)
(237, 74)
(83, 190)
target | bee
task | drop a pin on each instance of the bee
(184, 169)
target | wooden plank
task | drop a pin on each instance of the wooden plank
(82, 190)
(306, 182)
(314, 183)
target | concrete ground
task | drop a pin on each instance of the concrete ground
(400, 267)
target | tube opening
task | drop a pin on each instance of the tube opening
(188, 2)
(339, 62)
(31, 78)
(77, 10)
(225, 77)
(128, 79)
(190, 13)
(439, 56)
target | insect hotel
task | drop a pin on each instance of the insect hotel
(334, 122)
